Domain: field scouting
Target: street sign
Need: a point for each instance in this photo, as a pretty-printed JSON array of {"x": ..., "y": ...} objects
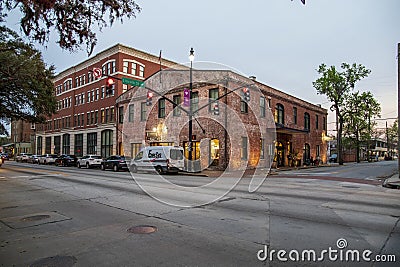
[
  {"x": 186, "y": 97},
  {"x": 132, "y": 82},
  {"x": 97, "y": 73}
]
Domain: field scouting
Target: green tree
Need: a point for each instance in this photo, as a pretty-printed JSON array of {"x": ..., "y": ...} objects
[
  {"x": 74, "y": 21},
  {"x": 26, "y": 89},
  {"x": 337, "y": 85},
  {"x": 359, "y": 109}
]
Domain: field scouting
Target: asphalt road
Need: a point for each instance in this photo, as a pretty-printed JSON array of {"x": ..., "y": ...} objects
[{"x": 80, "y": 217}]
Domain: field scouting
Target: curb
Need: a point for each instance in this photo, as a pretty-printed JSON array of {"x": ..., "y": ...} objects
[{"x": 392, "y": 181}]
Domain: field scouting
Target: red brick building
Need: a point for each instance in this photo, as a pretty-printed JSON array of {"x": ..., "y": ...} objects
[
  {"x": 85, "y": 119},
  {"x": 90, "y": 120},
  {"x": 218, "y": 139}
]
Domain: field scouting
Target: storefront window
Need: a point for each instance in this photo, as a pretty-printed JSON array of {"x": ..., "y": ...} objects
[
  {"x": 196, "y": 150},
  {"x": 214, "y": 152},
  {"x": 106, "y": 143}
]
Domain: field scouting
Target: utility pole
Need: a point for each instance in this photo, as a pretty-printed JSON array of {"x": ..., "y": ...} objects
[
  {"x": 387, "y": 140},
  {"x": 398, "y": 103}
]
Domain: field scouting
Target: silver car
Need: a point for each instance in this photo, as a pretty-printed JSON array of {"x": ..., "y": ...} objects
[
  {"x": 47, "y": 159},
  {"x": 89, "y": 161}
]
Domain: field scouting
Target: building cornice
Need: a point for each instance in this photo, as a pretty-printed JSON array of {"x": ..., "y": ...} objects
[{"x": 118, "y": 48}]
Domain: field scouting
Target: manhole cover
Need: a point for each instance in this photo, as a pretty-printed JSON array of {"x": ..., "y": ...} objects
[
  {"x": 35, "y": 218},
  {"x": 64, "y": 261},
  {"x": 142, "y": 229}
]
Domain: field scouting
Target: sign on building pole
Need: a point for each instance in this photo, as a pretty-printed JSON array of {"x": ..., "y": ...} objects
[
  {"x": 186, "y": 97},
  {"x": 97, "y": 73}
]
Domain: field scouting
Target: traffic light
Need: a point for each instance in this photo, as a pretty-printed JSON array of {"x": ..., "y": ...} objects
[
  {"x": 149, "y": 98},
  {"x": 246, "y": 94},
  {"x": 109, "y": 85},
  {"x": 216, "y": 108}
]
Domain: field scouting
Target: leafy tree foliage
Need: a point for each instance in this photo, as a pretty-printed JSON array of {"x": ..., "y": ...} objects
[
  {"x": 337, "y": 86},
  {"x": 359, "y": 110},
  {"x": 26, "y": 88},
  {"x": 73, "y": 20}
]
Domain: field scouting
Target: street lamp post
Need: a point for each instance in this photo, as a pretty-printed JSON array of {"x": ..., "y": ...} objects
[{"x": 190, "y": 148}]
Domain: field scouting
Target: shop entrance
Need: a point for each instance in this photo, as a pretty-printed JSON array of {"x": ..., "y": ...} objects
[
  {"x": 279, "y": 154},
  {"x": 195, "y": 152},
  {"x": 214, "y": 152}
]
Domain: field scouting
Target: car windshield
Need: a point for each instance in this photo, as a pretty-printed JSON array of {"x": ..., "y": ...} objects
[{"x": 96, "y": 157}]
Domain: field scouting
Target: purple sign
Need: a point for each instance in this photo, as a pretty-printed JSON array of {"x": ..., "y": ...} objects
[{"x": 186, "y": 97}]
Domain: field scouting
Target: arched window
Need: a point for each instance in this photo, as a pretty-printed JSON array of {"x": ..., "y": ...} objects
[
  {"x": 306, "y": 121},
  {"x": 279, "y": 114},
  {"x": 106, "y": 143}
]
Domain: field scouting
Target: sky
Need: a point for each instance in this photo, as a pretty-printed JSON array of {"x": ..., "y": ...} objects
[{"x": 281, "y": 42}]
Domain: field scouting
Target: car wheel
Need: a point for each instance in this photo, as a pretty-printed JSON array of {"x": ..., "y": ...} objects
[
  {"x": 87, "y": 166},
  {"x": 102, "y": 167},
  {"x": 115, "y": 168},
  {"x": 79, "y": 165},
  {"x": 159, "y": 170}
]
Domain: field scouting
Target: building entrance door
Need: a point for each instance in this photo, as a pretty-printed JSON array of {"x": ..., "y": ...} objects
[
  {"x": 279, "y": 154},
  {"x": 214, "y": 152}
]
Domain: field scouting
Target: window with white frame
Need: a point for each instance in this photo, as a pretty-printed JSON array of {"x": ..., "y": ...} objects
[
  {"x": 133, "y": 68},
  {"x": 141, "y": 71},
  {"x": 125, "y": 66}
]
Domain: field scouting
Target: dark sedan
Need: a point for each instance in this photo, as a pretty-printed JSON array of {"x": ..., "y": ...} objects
[
  {"x": 66, "y": 160},
  {"x": 115, "y": 163}
]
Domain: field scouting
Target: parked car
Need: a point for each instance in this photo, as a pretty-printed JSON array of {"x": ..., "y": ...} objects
[
  {"x": 114, "y": 162},
  {"x": 23, "y": 157},
  {"x": 1, "y": 161},
  {"x": 33, "y": 159},
  {"x": 4, "y": 156},
  {"x": 47, "y": 159},
  {"x": 163, "y": 159},
  {"x": 333, "y": 158},
  {"x": 66, "y": 160},
  {"x": 89, "y": 161}
]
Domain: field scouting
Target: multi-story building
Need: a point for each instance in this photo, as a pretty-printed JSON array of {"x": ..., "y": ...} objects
[
  {"x": 22, "y": 137},
  {"x": 93, "y": 120},
  {"x": 217, "y": 140},
  {"x": 85, "y": 118}
]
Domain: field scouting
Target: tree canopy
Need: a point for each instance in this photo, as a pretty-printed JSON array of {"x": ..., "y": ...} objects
[
  {"x": 359, "y": 110},
  {"x": 337, "y": 86},
  {"x": 74, "y": 21},
  {"x": 26, "y": 88}
]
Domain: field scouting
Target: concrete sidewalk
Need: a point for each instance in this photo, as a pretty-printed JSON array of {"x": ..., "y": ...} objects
[
  {"x": 392, "y": 182},
  {"x": 250, "y": 172}
]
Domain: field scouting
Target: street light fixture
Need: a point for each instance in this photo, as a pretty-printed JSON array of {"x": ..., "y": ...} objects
[{"x": 190, "y": 148}]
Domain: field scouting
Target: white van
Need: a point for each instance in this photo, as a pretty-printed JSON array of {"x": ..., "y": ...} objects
[{"x": 163, "y": 159}]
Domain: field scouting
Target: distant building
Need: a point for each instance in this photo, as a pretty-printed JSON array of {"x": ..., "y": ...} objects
[{"x": 22, "y": 137}]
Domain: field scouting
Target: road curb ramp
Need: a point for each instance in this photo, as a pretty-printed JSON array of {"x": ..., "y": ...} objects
[{"x": 392, "y": 182}]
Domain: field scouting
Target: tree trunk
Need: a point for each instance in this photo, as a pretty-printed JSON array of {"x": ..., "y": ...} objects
[
  {"x": 339, "y": 141},
  {"x": 357, "y": 147}
]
